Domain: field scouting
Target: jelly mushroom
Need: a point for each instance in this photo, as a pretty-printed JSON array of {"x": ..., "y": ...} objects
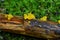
[
  {"x": 25, "y": 16},
  {"x": 59, "y": 21},
  {"x": 44, "y": 18},
  {"x": 9, "y": 16},
  {"x": 30, "y": 16}
]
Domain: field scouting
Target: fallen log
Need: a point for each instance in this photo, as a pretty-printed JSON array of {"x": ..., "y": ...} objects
[{"x": 35, "y": 28}]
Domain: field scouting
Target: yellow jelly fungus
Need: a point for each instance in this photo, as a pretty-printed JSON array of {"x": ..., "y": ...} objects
[
  {"x": 9, "y": 16},
  {"x": 29, "y": 16},
  {"x": 28, "y": 21},
  {"x": 59, "y": 21},
  {"x": 25, "y": 16},
  {"x": 44, "y": 18}
]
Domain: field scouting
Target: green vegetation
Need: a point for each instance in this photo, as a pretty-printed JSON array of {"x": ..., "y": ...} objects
[{"x": 38, "y": 7}]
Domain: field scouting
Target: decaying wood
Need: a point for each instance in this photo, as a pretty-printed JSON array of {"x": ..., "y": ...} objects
[{"x": 19, "y": 26}]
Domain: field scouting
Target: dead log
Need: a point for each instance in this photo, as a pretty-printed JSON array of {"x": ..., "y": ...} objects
[{"x": 20, "y": 26}]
